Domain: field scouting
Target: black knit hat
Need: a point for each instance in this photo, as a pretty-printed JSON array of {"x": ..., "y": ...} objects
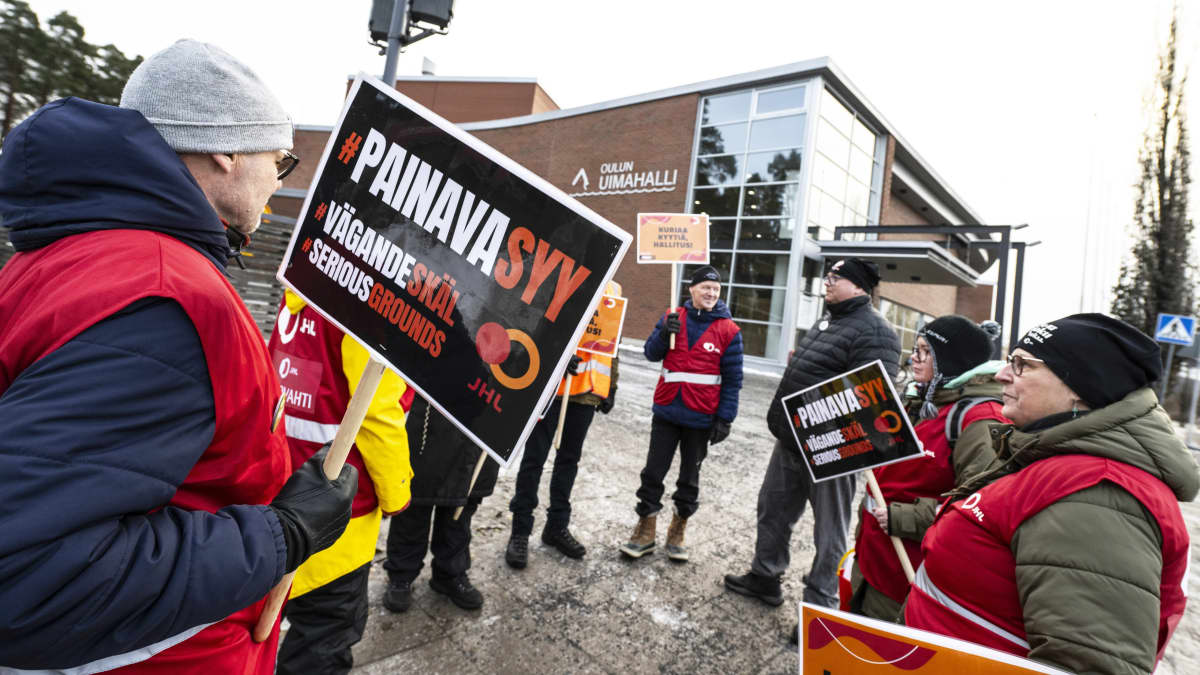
[
  {"x": 1100, "y": 358},
  {"x": 958, "y": 344},
  {"x": 861, "y": 273},
  {"x": 706, "y": 273}
]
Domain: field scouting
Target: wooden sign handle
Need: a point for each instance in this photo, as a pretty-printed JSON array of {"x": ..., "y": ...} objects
[
  {"x": 671, "y": 307},
  {"x": 474, "y": 477},
  {"x": 356, "y": 411},
  {"x": 562, "y": 413},
  {"x": 901, "y": 553}
]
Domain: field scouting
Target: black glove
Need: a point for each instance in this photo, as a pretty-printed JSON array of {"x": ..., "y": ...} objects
[
  {"x": 720, "y": 431},
  {"x": 573, "y": 365},
  {"x": 673, "y": 323},
  {"x": 312, "y": 509},
  {"x": 606, "y": 405}
]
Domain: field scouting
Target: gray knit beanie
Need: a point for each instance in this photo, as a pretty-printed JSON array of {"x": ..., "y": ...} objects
[{"x": 201, "y": 99}]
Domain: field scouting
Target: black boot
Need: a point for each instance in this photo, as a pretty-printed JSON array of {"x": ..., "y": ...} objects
[
  {"x": 751, "y": 585},
  {"x": 398, "y": 597},
  {"x": 459, "y": 590},
  {"x": 517, "y": 553},
  {"x": 564, "y": 542}
]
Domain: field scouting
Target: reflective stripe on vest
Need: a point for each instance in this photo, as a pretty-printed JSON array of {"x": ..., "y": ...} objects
[
  {"x": 602, "y": 368},
  {"x": 923, "y": 582},
  {"x": 308, "y": 430},
  {"x": 694, "y": 378},
  {"x": 117, "y": 660}
]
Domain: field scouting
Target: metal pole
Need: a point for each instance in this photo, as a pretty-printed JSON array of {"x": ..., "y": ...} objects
[
  {"x": 1002, "y": 278},
  {"x": 1162, "y": 392},
  {"x": 1014, "y": 332},
  {"x": 395, "y": 32},
  {"x": 1192, "y": 410}
]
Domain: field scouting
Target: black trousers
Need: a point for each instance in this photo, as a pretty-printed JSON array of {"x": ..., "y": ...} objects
[
  {"x": 693, "y": 448},
  {"x": 409, "y": 540},
  {"x": 325, "y": 623},
  {"x": 566, "y": 467}
]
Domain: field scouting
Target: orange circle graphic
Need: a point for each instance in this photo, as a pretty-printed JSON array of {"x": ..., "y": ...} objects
[
  {"x": 895, "y": 425},
  {"x": 535, "y": 362}
]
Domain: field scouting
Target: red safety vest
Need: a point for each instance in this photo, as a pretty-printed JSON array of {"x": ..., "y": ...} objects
[
  {"x": 695, "y": 371},
  {"x": 928, "y": 476},
  {"x": 247, "y": 461},
  {"x": 967, "y": 586},
  {"x": 307, "y": 352}
]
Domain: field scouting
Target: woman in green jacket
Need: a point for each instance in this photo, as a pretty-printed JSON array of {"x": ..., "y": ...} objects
[{"x": 1072, "y": 549}]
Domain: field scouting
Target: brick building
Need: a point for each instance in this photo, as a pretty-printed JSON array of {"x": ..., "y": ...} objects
[{"x": 777, "y": 158}]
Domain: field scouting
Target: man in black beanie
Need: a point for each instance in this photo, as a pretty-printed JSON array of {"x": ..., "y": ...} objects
[
  {"x": 850, "y": 334},
  {"x": 695, "y": 402}
]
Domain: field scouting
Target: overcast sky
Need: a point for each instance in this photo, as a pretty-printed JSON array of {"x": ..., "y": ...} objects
[{"x": 1031, "y": 110}]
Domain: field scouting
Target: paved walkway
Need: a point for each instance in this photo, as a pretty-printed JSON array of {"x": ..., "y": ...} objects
[{"x": 604, "y": 614}]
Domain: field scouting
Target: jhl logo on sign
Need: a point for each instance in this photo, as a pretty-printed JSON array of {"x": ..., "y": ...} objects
[
  {"x": 467, "y": 274},
  {"x": 851, "y": 422}
]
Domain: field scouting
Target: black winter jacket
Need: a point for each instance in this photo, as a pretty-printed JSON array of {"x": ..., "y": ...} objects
[
  {"x": 443, "y": 459},
  {"x": 850, "y": 334}
]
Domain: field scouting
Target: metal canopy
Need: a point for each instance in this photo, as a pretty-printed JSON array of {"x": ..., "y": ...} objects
[{"x": 921, "y": 262}]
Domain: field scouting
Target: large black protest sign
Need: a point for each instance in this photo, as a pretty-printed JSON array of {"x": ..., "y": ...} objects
[
  {"x": 464, "y": 272},
  {"x": 851, "y": 422}
]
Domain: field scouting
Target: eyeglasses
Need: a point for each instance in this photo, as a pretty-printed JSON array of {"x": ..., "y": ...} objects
[
  {"x": 1017, "y": 362},
  {"x": 285, "y": 165},
  {"x": 832, "y": 278},
  {"x": 920, "y": 354}
]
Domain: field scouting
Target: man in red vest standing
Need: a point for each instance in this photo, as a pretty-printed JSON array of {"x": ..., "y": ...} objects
[
  {"x": 144, "y": 469},
  {"x": 694, "y": 403}
]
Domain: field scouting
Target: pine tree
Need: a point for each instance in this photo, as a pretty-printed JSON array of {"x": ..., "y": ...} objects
[
  {"x": 1159, "y": 275},
  {"x": 40, "y": 65}
]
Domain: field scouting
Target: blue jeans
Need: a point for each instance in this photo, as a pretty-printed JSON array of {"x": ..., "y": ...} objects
[{"x": 562, "y": 477}]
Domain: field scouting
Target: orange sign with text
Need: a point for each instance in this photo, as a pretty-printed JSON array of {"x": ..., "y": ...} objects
[
  {"x": 672, "y": 238},
  {"x": 837, "y": 643},
  {"x": 603, "y": 334}
]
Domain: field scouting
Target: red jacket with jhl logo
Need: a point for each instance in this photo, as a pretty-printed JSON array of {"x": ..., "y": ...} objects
[
  {"x": 967, "y": 587},
  {"x": 246, "y": 462},
  {"x": 696, "y": 372}
]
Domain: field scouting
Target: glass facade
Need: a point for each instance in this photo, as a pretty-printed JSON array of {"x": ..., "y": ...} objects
[
  {"x": 747, "y": 179},
  {"x": 775, "y": 168},
  {"x": 907, "y": 321},
  {"x": 845, "y": 162}
]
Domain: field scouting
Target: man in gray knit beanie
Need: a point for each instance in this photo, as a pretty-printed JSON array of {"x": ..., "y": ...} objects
[{"x": 228, "y": 128}]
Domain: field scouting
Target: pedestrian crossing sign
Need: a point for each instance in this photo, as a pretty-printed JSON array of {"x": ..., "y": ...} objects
[{"x": 1176, "y": 329}]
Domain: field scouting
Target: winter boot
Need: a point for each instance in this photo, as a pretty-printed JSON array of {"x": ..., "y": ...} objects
[
  {"x": 459, "y": 590},
  {"x": 675, "y": 548},
  {"x": 751, "y": 585},
  {"x": 643, "y": 538},
  {"x": 517, "y": 553},
  {"x": 398, "y": 597},
  {"x": 562, "y": 540}
]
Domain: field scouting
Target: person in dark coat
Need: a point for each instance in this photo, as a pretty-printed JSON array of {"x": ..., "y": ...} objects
[
  {"x": 850, "y": 334},
  {"x": 441, "y": 484}
]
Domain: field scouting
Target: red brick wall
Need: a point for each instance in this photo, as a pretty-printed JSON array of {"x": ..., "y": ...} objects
[{"x": 656, "y": 135}]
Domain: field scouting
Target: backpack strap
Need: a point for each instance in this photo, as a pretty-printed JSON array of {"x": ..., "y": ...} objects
[{"x": 954, "y": 420}]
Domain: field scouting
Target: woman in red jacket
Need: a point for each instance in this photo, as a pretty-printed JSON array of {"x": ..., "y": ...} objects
[{"x": 954, "y": 389}]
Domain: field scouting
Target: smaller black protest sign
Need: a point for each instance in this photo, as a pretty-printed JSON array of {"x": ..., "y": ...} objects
[{"x": 851, "y": 422}]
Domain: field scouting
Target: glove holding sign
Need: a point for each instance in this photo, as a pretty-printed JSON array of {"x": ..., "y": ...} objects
[{"x": 672, "y": 323}]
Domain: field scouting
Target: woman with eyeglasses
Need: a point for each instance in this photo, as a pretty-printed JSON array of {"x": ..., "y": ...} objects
[
  {"x": 1072, "y": 549},
  {"x": 951, "y": 399}
]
